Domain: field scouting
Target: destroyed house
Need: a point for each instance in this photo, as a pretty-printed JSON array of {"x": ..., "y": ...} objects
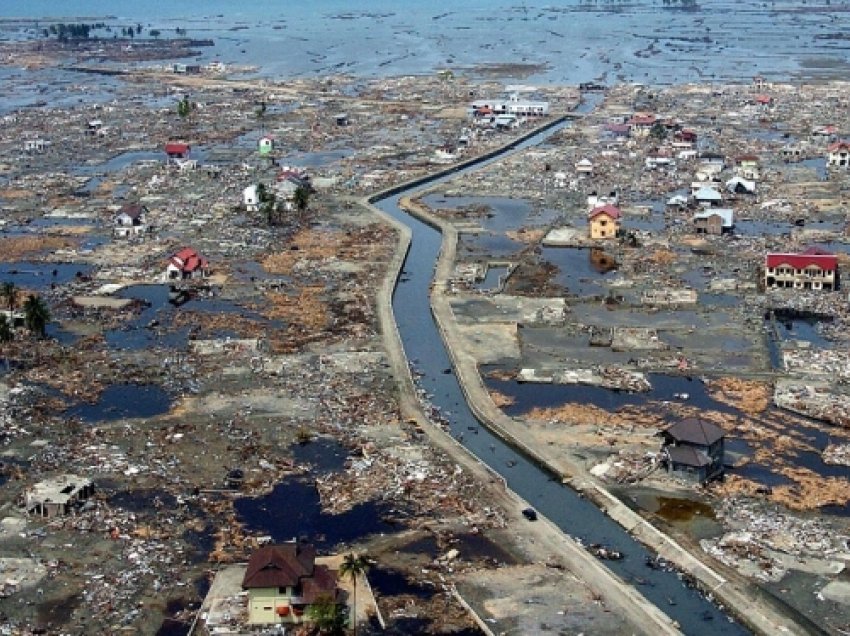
[
  {"x": 714, "y": 221},
  {"x": 813, "y": 269},
  {"x": 187, "y": 263},
  {"x": 693, "y": 450},
  {"x": 282, "y": 581},
  {"x": 56, "y": 496}
]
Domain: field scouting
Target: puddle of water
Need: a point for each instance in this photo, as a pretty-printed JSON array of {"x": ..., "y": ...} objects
[
  {"x": 493, "y": 279},
  {"x": 675, "y": 509},
  {"x": 748, "y": 227},
  {"x": 580, "y": 270},
  {"x": 502, "y": 213},
  {"x": 528, "y": 395},
  {"x": 124, "y": 401},
  {"x": 202, "y": 543},
  {"x": 795, "y": 325},
  {"x": 818, "y": 164},
  {"x": 388, "y": 582},
  {"x": 761, "y": 474},
  {"x": 171, "y": 627},
  {"x": 489, "y": 245},
  {"x": 323, "y": 454},
  {"x": 293, "y": 510},
  {"x": 119, "y": 162},
  {"x": 57, "y": 611},
  {"x": 40, "y": 276},
  {"x": 142, "y": 501}
]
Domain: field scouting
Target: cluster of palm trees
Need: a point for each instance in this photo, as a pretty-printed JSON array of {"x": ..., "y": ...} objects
[{"x": 36, "y": 313}]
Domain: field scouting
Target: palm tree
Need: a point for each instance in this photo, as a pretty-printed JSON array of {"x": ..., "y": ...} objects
[
  {"x": 36, "y": 315},
  {"x": 352, "y": 567},
  {"x": 9, "y": 291},
  {"x": 301, "y": 198}
]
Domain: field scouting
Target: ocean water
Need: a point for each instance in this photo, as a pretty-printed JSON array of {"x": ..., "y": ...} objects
[{"x": 652, "y": 41}]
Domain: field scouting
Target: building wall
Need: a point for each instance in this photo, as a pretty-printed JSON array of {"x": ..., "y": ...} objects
[
  {"x": 263, "y": 604},
  {"x": 809, "y": 278},
  {"x": 603, "y": 227}
]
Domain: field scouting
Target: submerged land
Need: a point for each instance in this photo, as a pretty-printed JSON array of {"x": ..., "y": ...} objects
[{"x": 270, "y": 399}]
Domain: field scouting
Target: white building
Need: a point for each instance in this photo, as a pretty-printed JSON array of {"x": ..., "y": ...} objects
[{"x": 251, "y": 198}]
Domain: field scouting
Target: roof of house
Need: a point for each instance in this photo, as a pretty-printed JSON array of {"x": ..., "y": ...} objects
[
  {"x": 802, "y": 261},
  {"x": 618, "y": 128},
  {"x": 177, "y": 148},
  {"x": 279, "y": 565},
  {"x": 707, "y": 194},
  {"x": 322, "y": 583},
  {"x": 763, "y": 99},
  {"x": 726, "y": 215},
  {"x": 611, "y": 211},
  {"x": 188, "y": 260},
  {"x": 132, "y": 210},
  {"x": 688, "y": 455},
  {"x": 746, "y": 158},
  {"x": 838, "y": 145},
  {"x": 642, "y": 119},
  {"x": 692, "y": 430}
]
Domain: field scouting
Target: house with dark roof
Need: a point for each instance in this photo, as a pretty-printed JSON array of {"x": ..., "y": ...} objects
[
  {"x": 283, "y": 580},
  {"x": 130, "y": 221},
  {"x": 693, "y": 450},
  {"x": 813, "y": 269},
  {"x": 187, "y": 263}
]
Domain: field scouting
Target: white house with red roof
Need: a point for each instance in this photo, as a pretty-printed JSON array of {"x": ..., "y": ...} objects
[
  {"x": 838, "y": 154},
  {"x": 177, "y": 151},
  {"x": 642, "y": 123},
  {"x": 185, "y": 264},
  {"x": 813, "y": 269},
  {"x": 604, "y": 221}
]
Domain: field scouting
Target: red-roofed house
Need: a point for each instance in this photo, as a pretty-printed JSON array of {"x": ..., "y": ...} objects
[
  {"x": 642, "y": 123},
  {"x": 838, "y": 154},
  {"x": 187, "y": 263},
  {"x": 283, "y": 581},
  {"x": 177, "y": 150},
  {"x": 764, "y": 100},
  {"x": 812, "y": 269},
  {"x": 604, "y": 221}
]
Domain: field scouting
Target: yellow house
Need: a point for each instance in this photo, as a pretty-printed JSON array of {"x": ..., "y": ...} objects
[
  {"x": 283, "y": 581},
  {"x": 604, "y": 221}
]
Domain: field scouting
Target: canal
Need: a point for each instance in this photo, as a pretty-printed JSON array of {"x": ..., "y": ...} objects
[{"x": 575, "y": 515}]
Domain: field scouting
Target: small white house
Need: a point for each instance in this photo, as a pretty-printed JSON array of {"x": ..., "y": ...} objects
[
  {"x": 130, "y": 221},
  {"x": 251, "y": 198},
  {"x": 708, "y": 197},
  {"x": 35, "y": 145},
  {"x": 838, "y": 154}
]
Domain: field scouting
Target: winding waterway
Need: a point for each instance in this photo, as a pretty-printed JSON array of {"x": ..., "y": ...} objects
[{"x": 575, "y": 515}]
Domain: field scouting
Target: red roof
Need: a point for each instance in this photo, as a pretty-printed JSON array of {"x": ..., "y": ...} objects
[
  {"x": 826, "y": 262},
  {"x": 838, "y": 145},
  {"x": 609, "y": 210},
  {"x": 287, "y": 565},
  {"x": 744, "y": 158},
  {"x": 188, "y": 260},
  {"x": 176, "y": 148},
  {"x": 642, "y": 119},
  {"x": 764, "y": 99}
]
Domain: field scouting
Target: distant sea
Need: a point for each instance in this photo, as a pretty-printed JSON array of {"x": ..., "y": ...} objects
[{"x": 568, "y": 41}]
